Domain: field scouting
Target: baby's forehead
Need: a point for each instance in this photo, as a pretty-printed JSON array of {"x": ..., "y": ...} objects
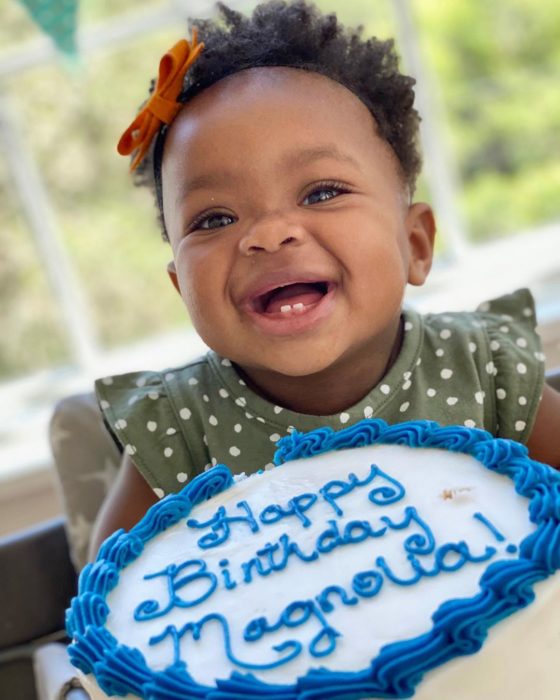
[
  {"x": 272, "y": 110},
  {"x": 277, "y": 84},
  {"x": 263, "y": 77}
]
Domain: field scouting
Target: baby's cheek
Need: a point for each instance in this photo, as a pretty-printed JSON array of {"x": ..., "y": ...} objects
[{"x": 383, "y": 266}]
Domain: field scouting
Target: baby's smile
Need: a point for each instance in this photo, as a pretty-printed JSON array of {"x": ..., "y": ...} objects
[
  {"x": 290, "y": 305},
  {"x": 293, "y": 297}
]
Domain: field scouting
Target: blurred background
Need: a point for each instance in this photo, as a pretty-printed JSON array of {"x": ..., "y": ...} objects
[{"x": 83, "y": 289}]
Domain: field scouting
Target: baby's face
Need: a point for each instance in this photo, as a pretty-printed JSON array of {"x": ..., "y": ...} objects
[{"x": 291, "y": 232}]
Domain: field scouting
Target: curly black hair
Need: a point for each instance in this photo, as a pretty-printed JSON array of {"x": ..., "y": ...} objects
[{"x": 298, "y": 35}]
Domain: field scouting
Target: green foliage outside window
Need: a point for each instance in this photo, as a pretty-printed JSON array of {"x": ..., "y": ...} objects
[{"x": 498, "y": 68}]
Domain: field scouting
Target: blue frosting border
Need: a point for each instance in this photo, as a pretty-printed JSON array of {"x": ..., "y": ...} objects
[{"x": 460, "y": 626}]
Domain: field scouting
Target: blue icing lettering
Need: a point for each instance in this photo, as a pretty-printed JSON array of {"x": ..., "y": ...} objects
[
  {"x": 286, "y": 547},
  {"x": 256, "y": 629},
  {"x": 367, "y": 584},
  {"x": 388, "y": 493},
  {"x": 195, "y": 628},
  {"x": 150, "y": 609},
  {"x": 324, "y": 598},
  {"x": 337, "y": 488},
  {"x": 418, "y": 543},
  {"x": 220, "y": 525},
  {"x": 296, "y": 506},
  {"x": 358, "y": 530},
  {"x": 329, "y": 539},
  {"x": 296, "y": 614},
  {"x": 256, "y": 565},
  {"x": 493, "y": 529},
  {"x": 324, "y": 642},
  {"x": 228, "y": 582},
  {"x": 355, "y": 531},
  {"x": 460, "y": 555},
  {"x": 448, "y": 557},
  {"x": 268, "y": 551}
]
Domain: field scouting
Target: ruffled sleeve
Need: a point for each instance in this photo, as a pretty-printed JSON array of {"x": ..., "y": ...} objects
[
  {"x": 515, "y": 361},
  {"x": 148, "y": 426}
]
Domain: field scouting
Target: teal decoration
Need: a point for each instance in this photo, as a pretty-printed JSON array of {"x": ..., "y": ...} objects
[{"x": 58, "y": 19}]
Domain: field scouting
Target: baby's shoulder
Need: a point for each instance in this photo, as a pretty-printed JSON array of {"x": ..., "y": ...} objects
[
  {"x": 157, "y": 418},
  {"x": 129, "y": 393},
  {"x": 494, "y": 354},
  {"x": 515, "y": 310},
  {"x": 504, "y": 326}
]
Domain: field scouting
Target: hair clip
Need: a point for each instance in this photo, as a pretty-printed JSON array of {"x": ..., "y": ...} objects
[{"x": 162, "y": 106}]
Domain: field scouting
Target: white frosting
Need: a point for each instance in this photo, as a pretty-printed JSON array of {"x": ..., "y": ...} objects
[
  {"x": 446, "y": 489},
  {"x": 517, "y": 662}
]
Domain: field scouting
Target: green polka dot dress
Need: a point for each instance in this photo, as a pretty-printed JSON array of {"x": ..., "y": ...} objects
[{"x": 483, "y": 369}]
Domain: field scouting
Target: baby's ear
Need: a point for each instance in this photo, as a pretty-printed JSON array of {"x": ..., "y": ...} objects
[
  {"x": 172, "y": 272},
  {"x": 421, "y": 229}
]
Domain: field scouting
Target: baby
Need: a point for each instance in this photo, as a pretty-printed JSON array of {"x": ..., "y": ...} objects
[{"x": 283, "y": 155}]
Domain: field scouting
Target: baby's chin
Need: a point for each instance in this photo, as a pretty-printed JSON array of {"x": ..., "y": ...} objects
[
  {"x": 289, "y": 367},
  {"x": 290, "y": 357},
  {"x": 305, "y": 371}
]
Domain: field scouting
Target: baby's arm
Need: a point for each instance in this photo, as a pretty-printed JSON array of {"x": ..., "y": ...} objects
[
  {"x": 129, "y": 499},
  {"x": 544, "y": 442}
]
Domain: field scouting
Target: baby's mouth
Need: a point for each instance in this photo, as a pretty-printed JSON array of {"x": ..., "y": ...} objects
[{"x": 293, "y": 298}]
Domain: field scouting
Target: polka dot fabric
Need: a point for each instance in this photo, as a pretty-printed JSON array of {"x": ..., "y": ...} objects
[
  {"x": 517, "y": 363},
  {"x": 483, "y": 369},
  {"x": 486, "y": 369}
]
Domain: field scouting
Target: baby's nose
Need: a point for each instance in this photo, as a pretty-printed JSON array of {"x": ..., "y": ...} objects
[{"x": 269, "y": 236}]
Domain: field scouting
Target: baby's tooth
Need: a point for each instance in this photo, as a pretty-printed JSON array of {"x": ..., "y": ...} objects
[
  {"x": 286, "y": 308},
  {"x": 299, "y": 307}
]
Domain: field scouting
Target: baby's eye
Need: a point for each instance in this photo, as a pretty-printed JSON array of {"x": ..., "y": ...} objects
[
  {"x": 323, "y": 193},
  {"x": 208, "y": 222}
]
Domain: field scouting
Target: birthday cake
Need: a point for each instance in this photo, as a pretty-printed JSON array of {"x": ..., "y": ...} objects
[{"x": 375, "y": 562}]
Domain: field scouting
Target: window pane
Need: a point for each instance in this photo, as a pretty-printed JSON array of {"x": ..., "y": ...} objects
[
  {"x": 32, "y": 336},
  {"x": 72, "y": 123},
  {"x": 498, "y": 67},
  {"x": 16, "y": 25}
]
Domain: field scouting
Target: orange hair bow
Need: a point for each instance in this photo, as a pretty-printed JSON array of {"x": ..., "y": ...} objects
[{"x": 162, "y": 106}]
